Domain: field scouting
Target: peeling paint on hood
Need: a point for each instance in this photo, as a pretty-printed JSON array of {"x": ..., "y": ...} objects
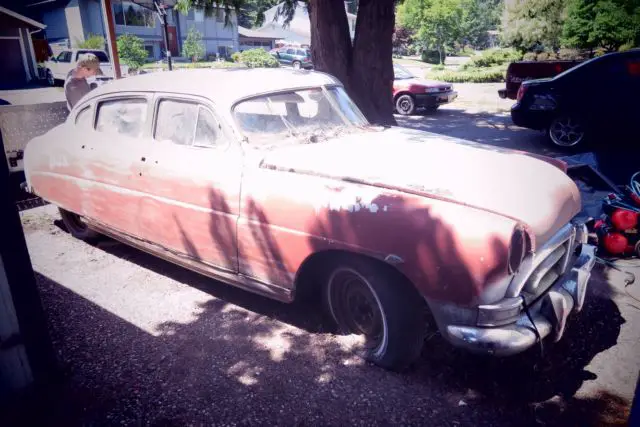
[{"x": 510, "y": 183}]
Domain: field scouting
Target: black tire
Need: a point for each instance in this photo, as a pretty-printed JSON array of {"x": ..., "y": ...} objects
[
  {"x": 77, "y": 227},
  {"x": 51, "y": 81},
  {"x": 405, "y": 105},
  {"x": 296, "y": 65},
  {"x": 394, "y": 327}
]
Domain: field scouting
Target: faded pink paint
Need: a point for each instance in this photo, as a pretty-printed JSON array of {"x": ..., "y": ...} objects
[{"x": 446, "y": 210}]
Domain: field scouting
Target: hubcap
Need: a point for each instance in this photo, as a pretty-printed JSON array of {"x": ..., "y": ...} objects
[
  {"x": 355, "y": 306},
  {"x": 566, "y": 132},
  {"x": 404, "y": 105}
]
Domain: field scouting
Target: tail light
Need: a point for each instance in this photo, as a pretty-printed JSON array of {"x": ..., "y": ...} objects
[
  {"x": 521, "y": 91},
  {"x": 624, "y": 220}
]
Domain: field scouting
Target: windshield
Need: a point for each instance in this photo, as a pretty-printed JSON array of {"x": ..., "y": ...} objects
[
  {"x": 300, "y": 116},
  {"x": 399, "y": 72}
]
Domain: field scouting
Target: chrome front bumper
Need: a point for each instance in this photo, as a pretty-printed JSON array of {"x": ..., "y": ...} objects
[{"x": 549, "y": 314}]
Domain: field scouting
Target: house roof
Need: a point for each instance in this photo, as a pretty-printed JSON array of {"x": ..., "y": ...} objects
[
  {"x": 257, "y": 34},
  {"x": 22, "y": 18}
]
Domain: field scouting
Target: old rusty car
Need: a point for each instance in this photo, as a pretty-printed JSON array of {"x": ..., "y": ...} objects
[{"x": 272, "y": 180}]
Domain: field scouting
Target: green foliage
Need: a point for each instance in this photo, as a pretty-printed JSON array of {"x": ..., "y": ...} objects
[
  {"x": 438, "y": 67},
  {"x": 476, "y": 75},
  {"x": 236, "y": 56},
  {"x": 250, "y": 13},
  {"x": 627, "y": 46},
  {"x": 547, "y": 56},
  {"x": 493, "y": 57},
  {"x": 530, "y": 56},
  {"x": 93, "y": 41},
  {"x": 193, "y": 47},
  {"x": 530, "y": 23},
  {"x": 131, "y": 50},
  {"x": 566, "y": 54},
  {"x": 431, "y": 56},
  {"x": 258, "y": 58},
  {"x": 601, "y": 23},
  {"x": 466, "y": 51},
  {"x": 478, "y": 17}
]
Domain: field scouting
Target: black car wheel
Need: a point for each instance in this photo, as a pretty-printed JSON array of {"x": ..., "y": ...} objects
[
  {"x": 296, "y": 65},
  {"x": 77, "y": 227},
  {"x": 367, "y": 299},
  {"x": 405, "y": 105},
  {"x": 566, "y": 131}
]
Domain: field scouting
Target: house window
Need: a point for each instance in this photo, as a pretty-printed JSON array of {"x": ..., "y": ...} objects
[
  {"x": 219, "y": 15},
  {"x": 130, "y": 14},
  {"x": 198, "y": 15},
  {"x": 149, "y": 49}
]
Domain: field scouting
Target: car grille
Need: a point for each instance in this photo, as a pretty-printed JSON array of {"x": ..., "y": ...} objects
[{"x": 540, "y": 271}]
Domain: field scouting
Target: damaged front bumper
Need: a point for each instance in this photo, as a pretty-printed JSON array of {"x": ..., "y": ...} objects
[{"x": 549, "y": 313}]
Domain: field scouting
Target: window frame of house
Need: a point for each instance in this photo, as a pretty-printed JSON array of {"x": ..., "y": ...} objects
[{"x": 151, "y": 23}]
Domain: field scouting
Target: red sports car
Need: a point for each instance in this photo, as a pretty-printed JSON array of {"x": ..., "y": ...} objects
[{"x": 411, "y": 93}]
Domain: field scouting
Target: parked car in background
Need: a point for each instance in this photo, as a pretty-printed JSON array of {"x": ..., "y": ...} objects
[
  {"x": 521, "y": 71},
  {"x": 248, "y": 176},
  {"x": 596, "y": 98},
  {"x": 411, "y": 93},
  {"x": 59, "y": 66},
  {"x": 297, "y": 57}
]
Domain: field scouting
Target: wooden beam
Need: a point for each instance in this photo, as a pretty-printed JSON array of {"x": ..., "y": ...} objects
[{"x": 107, "y": 14}]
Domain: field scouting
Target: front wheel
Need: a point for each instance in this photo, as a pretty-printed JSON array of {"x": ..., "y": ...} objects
[
  {"x": 405, "y": 105},
  {"x": 567, "y": 132},
  {"x": 296, "y": 65},
  {"x": 77, "y": 227},
  {"x": 368, "y": 299}
]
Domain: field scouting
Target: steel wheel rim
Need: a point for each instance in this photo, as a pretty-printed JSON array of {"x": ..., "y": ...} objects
[
  {"x": 355, "y": 306},
  {"x": 404, "y": 105},
  {"x": 566, "y": 132}
]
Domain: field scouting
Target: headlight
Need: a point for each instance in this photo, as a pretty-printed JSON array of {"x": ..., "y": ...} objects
[
  {"x": 432, "y": 90},
  {"x": 517, "y": 249}
]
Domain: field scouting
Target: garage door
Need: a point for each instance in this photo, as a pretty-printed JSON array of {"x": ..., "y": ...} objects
[{"x": 11, "y": 66}]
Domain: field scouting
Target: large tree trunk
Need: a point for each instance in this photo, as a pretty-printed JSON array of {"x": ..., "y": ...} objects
[{"x": 366, "y": 68}]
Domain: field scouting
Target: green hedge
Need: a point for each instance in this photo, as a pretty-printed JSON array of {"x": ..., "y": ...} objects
[
  {"x": 492, "y": 58},
  {"x": 475, "y": 75},
  {"x": 258, "y": 58},
  {"x": 432, "y": 56}
]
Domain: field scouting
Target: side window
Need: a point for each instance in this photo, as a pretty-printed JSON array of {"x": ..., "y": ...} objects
[
  {"x": 301, "y": 53},
  {"x": 84, "y": 118},
  {"x": 122, "y": 116},
  {"x": 291, "y": 51},
  {"x": 207, "y": 130},
  {"x": 176, "y": 121},
  {"x": 64, "y": 56}
]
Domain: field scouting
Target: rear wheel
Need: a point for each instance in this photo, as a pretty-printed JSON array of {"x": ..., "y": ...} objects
[
  {"x": 567, "y": 131},
  {"x": 368, "y": 299},
  {"x": 77, "y": 227},
  {"x": 405, "y": 105},
  {"x": 296, "y": 65}
]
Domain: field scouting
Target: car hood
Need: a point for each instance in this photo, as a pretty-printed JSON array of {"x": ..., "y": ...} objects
[
  {"x": 512, "y": 184},
  {"x": 421, "y": 82}
]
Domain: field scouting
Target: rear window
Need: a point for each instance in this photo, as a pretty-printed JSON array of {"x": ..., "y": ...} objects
[{"x": 122, "y": 117}]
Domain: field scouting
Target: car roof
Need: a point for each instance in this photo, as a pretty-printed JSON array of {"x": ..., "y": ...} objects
[{"x": 223, "y": 86}]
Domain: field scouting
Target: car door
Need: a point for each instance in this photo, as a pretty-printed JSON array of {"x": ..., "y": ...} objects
[
  {"x": 192, "y": 201},
  {"x": 288, "y": 56},
  {"x": 115, "y": 151},
  {"x": 62, "y": 65}
]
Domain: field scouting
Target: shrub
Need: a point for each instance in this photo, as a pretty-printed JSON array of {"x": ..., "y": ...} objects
[
  {"x": 193, "y": 47},
  {"x": 93, "y": 41},
  {"x": 569, "y": 54},
  {"x": 546, "y": 56},
  {"x": 438, "y": 67},
  {"x": 131, "y": 51},
  {"x": 494, "y": 57},
  {"x": 599, "y": 52},
  {"x": 477, "y": 75},
  {"x": 466, "y": 51},
  {"x": 626, "y": 46},
  {"x": 431, "y": 56},
  {"x": 236, "y": 56},
  {"x": 530, "y": 56},
  {"x": 258, "y": 58}
]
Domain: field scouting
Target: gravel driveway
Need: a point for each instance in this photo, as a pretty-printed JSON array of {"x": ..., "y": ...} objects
[{"x": 143, "y": 342}]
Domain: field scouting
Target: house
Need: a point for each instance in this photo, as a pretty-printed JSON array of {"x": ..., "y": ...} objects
[
  {"x": 252, "y": 39},
  {"x": 70, "y": 22},
  {"x": 298, "y": 30},
  {"x": 18, "y": 65}
]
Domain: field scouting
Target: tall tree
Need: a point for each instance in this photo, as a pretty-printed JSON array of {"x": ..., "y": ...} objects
[
  {"x": 530, "y": 23},
  {"x": 601, "y": 23},
  {"x": 251, "y": 13},
  {"x": 478, "y": 17},
  {"x": 364, "y": 66}
]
